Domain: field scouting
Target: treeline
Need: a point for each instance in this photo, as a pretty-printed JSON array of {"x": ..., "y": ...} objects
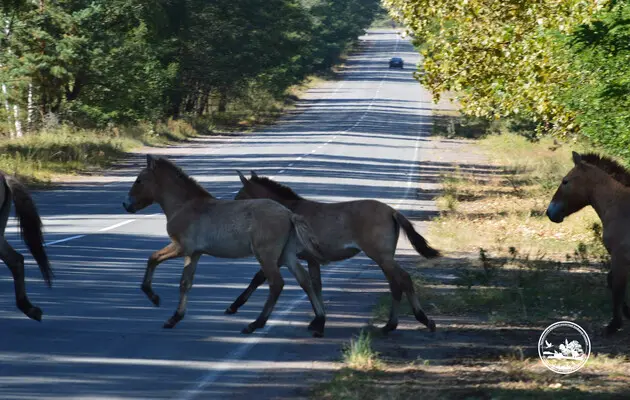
[
  {"x": 97, "y": 62},
  {"x": 563, "y": 65}
]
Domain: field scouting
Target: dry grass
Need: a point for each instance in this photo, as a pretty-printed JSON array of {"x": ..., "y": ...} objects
[{"x": 508, "y": 378}]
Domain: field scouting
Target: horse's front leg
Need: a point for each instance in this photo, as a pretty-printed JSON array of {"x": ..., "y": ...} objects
[
  {"x": 169, "y": 252},
  {"x": 185, "y": 284},
  {"x": 625, "y": 307},
  {"x": 619, "y": 276},
  {"x": 257, "y": 280}
]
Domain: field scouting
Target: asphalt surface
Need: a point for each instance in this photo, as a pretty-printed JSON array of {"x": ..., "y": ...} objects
[{"x": 363, "y": 136}]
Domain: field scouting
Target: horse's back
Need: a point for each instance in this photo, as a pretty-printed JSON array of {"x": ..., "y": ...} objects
[{"x": 228, "y": 228}]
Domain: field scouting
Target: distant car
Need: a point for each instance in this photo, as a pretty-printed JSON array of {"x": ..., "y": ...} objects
[{"x": 396, "y": 62}]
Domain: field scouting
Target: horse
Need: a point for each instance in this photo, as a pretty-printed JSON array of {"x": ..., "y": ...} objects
[
  {"x": 600, "y": 182},
  {"x": 343, "y": 230},
  {"x": 30, "y": 226},
  {"x": 198, "y": 223}
]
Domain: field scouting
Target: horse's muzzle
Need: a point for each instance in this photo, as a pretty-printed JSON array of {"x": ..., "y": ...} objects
[
  {"x": 128, "y": 205},
  {"x": 554, "y": 213}
]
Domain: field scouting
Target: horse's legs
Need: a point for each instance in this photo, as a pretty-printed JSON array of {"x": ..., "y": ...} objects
[
  {"x": 257, "y": 280},
  {"x": 316, "y": 278},
  {"x": 399, "y": 282},
  {"x": 619, "y": 278},
  {"x": 190, "y": 265},
  {"x": 171, "y": 251},
  {"x": 15, "y": 262},
  {"x": 276, "y": 283},
  {"x": 303, "y": 278},
  {"x": 625, "y": 308}
]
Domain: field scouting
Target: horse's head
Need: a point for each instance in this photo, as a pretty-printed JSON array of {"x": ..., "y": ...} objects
[
  {"x": 574, "y": 191},
  {"x": 142, "y": 193},
  {"x": 250, "y": 189}
]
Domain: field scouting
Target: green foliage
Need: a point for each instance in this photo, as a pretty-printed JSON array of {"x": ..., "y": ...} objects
[
  {"x": 501, "y": 57},
  {"x": 94, "y": 63},
  {"x": 599, "y": 91}
]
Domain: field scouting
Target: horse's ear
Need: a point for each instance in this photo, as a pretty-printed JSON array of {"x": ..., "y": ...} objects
[
  {"x": 254, "y": 174},
  {"x": 577, "y": 158},
  {"x": 150, "y": 161},
  {"x": 244, "y": 180}
]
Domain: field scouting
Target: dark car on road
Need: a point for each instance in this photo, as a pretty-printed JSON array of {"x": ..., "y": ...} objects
[{"x": 396, "y": 62}]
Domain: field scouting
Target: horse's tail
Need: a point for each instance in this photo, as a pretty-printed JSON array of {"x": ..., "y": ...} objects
[
  {"x": 30, "y": 225},
  {"x": 306, "y": 237},
  {"x": 417, "y": 241}
]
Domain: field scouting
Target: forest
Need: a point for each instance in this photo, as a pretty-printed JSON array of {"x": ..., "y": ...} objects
[{"x": 94, "y": 64}]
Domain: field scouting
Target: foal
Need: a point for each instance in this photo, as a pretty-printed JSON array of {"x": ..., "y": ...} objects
[
  {"x": 31, "y": 230},
  {"x": 589, "y": 183},
  {"x": 199, "y": 223},
  {"x": 343, "y": 230}
]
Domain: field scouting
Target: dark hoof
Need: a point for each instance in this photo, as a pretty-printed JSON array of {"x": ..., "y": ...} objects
[
  {"x": 390, "y": 327},
  {"x": 35, "y": 313},
  {"x": 173, "y": 321},
  {"x": 155, "y": 299},
  {"x": 431, "y": 325},
  {"x": 611, "y": 328},
  {"x": 231, "y": 310},
  {"x": 248, "y": 329},
  {"x": 317, "y": 326}
]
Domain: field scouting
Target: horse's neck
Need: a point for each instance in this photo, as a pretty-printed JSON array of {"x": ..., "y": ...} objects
[
  {"x": 174, "y": 194},
  {"x": 606, "y": 193}
]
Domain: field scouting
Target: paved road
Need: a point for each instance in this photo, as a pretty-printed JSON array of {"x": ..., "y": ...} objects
[{"x": 363, "y": 136}]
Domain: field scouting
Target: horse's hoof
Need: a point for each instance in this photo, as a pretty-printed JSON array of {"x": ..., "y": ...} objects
[
  {"x": 231, "y": 310},
  {"x": 317, "y": 334},
  {"x": 35, "y": 313},
  {"x": 431, "y": 325},
  {"x": 611, "y": 328},
  {"x": 389, "y": 327},
  {"x": 317, "y": 326},
  {"x": 155, "y": 299},
  {"x": 248, "y": 329},
  {"x": 173, "y": 321}
]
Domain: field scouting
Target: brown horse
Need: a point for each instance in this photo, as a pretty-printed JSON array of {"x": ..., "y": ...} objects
[
  {"x": 343, "y": 230},
  {"x": 599, "y": 182},
  {"x": 31, "y": 230},
  {"x": 199, "y": 223}
]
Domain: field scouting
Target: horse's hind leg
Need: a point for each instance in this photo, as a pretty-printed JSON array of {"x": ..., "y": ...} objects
[
  {"x": 314, "y": 271},
  {"x": 169, "y": 252},
  {"x": 15, "y": 262},
  {"x": 400, "y": 282},
  {"x": 317, "y": 325},
  {"x": 276, "y": 283},
  {"x": 257, "y": 280},
  {"x": 185, "y": 285}
]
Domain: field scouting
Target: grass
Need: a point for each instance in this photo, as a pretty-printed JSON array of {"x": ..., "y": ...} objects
[
  {"x": 602, "y": 377},
  {"x": 39, "y": 157},
  {"x": 359, "y": 354}
]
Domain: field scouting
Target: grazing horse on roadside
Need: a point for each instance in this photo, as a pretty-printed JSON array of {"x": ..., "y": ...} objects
[
  {"x": 30, "y": 226},
  {"x": 199, "y": 223},
  {"x": 343, "y": 230},
  {"x": 599, "y": 182}
]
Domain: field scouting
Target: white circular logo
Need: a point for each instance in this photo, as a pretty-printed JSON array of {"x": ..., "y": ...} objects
[{"x": 564, "y": 347}]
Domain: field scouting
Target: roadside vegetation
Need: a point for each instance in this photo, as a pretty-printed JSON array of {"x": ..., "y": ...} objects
[
  {"x": 84, "y": 81},
  {"x": 509, "y": 272}
]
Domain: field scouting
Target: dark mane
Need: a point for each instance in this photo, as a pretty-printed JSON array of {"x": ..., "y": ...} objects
[
  {"x": 189, "y": 182},
  {"x": 279, "y": 189},
  {"x": 608, "y": 165}
]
